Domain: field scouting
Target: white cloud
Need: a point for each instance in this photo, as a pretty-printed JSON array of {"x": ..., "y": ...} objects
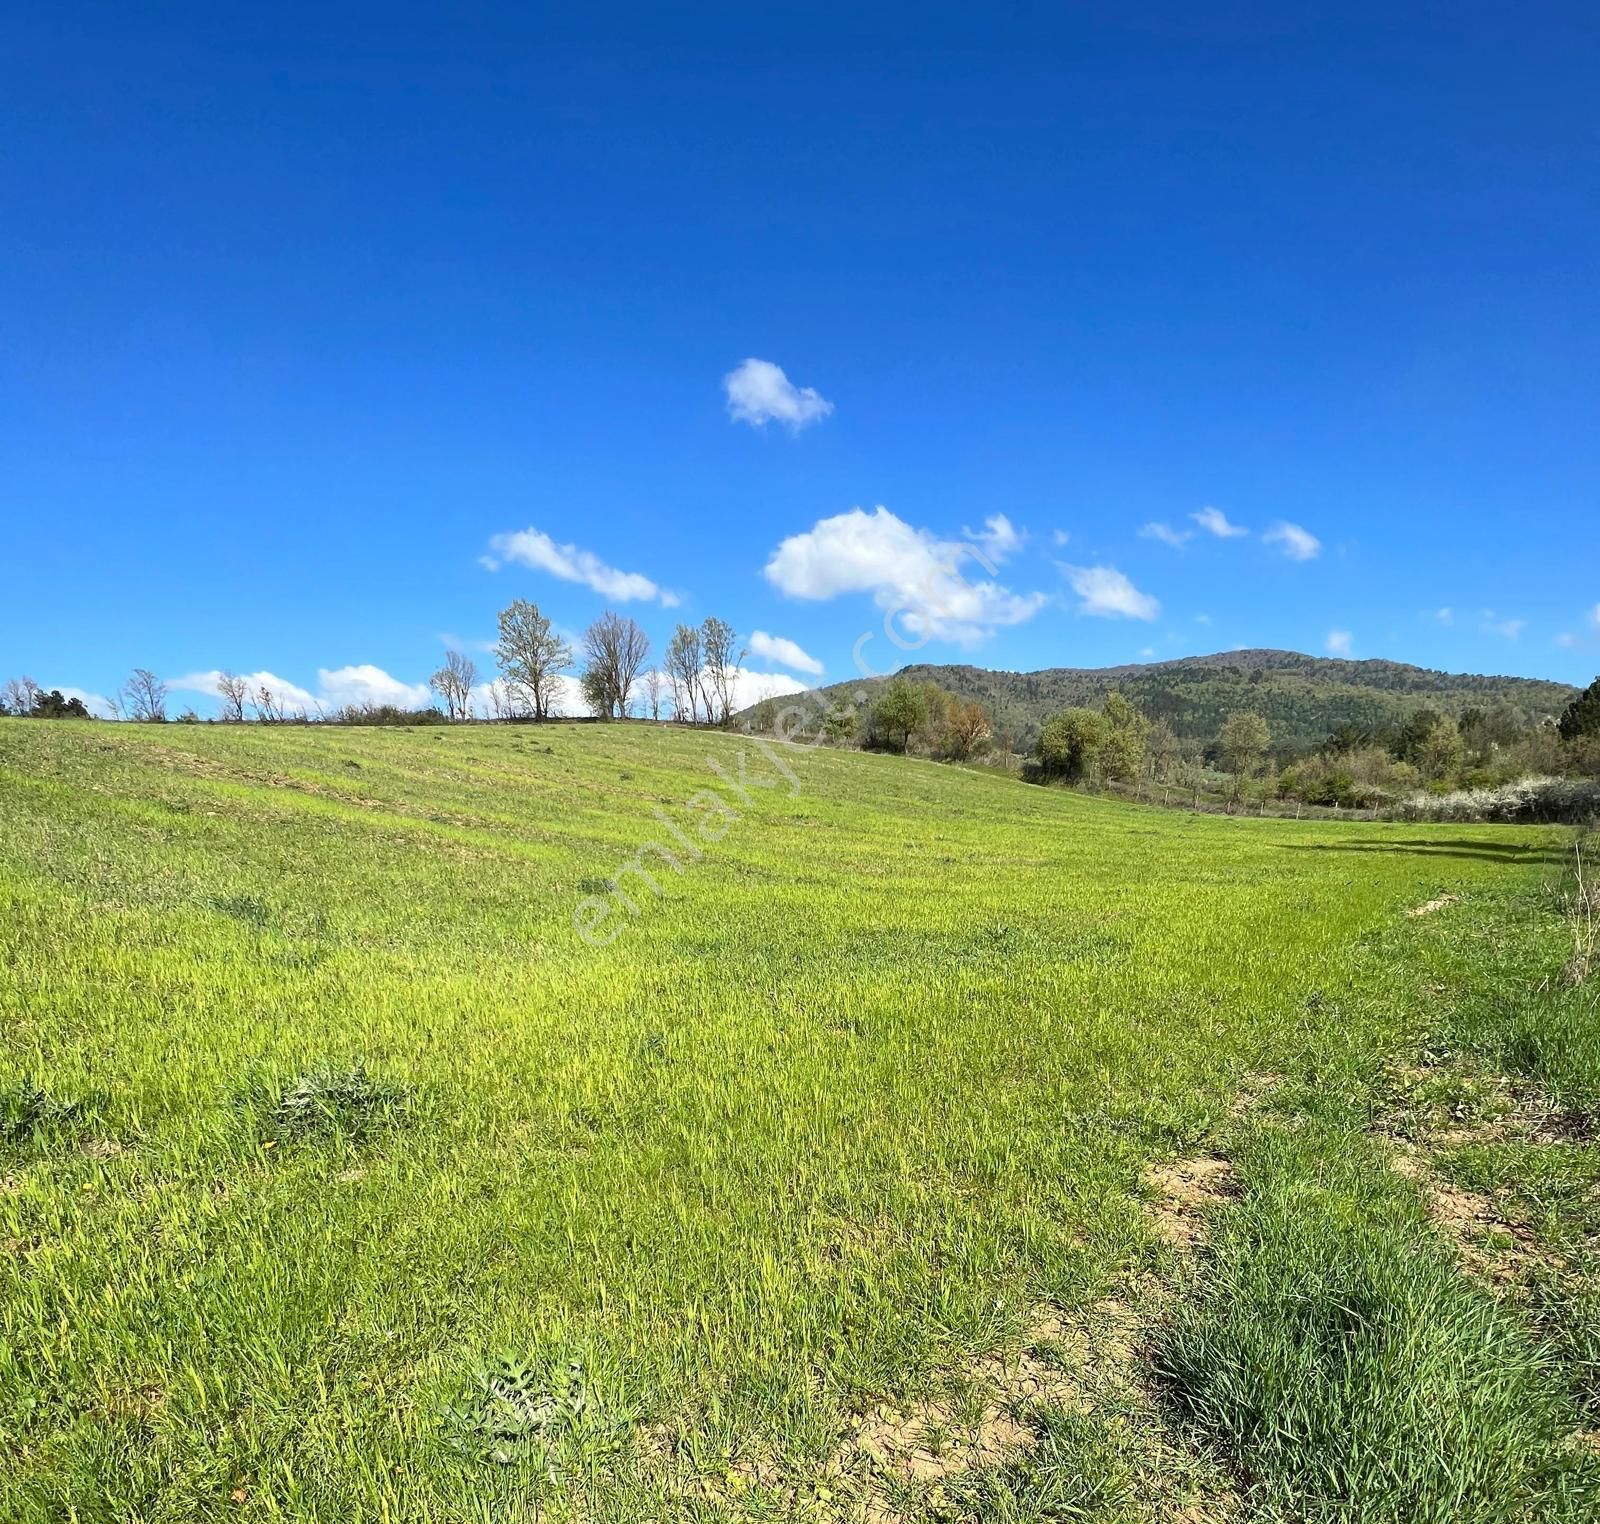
[
  {"x": 1176, "y": 538},
  {"x": 1567, "y": 640},
  {"x": 1493, "y": 624},
  {"x": 1147, "y": 651},
  {"x": 290, "y": 695},
  {"x": 1215, "y": 521},
  {"x": 336, "y": 687},
  {"x": 751, "y": 687},
  {"x": 1445, "y": 616},
  {"x": 1202, "y": 619},
  {"x": 1339, "y": 642},
  {"x": 1060, "y": 537},
  {"x": 1107, "y": 594},
  {"x": 998, "y": 538},
  {"x": 1298, "y": 544},
  {"x": 785, "y": 652},
  {"x": 1594, "y": 616},
  {"x": 758, "y": 391},
  {"x": 909, "y": 572},
  {"x": 367, "y": 684},
  {"x": 533, "y": 547}
]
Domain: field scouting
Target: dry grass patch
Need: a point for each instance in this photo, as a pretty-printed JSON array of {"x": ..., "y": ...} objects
[{"x": 1187, "y": 1192}]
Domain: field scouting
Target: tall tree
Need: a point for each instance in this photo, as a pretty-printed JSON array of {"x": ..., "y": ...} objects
[
  {"x": 1070, "y": 744},
  {"x": 233, "y": 692},
  {"x": 614, "y": 648},
  {"x": 683, "y": 662},
  {"x": 652, "y": 692},
  {"x": 966, "y": 727},
  {"x": 1122, "y": 755},
  {"x": 721, "y": 668},
  {"x": 1582, "y": 716},
  {"x": 901, "y": 710},
  {"x": 145, "y": 696},
  {"x": 453, "y": 682},
  {"x": 1244, "y": 741},
  {"x": 531, "y": 655}
]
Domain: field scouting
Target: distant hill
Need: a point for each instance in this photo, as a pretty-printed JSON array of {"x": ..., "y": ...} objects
[{"x": 1301, "y": 697}]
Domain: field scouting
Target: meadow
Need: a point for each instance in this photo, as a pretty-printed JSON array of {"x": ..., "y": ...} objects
[{"x": 391, "y": 1132}]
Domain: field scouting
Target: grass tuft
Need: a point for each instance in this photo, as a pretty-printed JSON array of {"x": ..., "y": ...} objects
[
  {"x": 1337, "y": 1358},
  {"x": 328, "y": 1102}
]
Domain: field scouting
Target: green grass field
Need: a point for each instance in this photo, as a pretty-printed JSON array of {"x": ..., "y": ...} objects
[{"x": 342, "y": 1178}]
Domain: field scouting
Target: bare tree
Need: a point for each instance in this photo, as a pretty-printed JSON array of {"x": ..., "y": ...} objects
[
  {"x": 233, "y": 693},
  {"x": 453, "y": 682},
  {"x": 721, "y": 668},
  {"x": 652, "y": 692},
  {"x": 268, "y": 707},
  {"x": 683, "y": 672},
  {"x": 614, "y": 648},
  {"x": 145, "y": 695},
  {"x": 531, "y": 655},
  {"x": 20, "y": 695}
]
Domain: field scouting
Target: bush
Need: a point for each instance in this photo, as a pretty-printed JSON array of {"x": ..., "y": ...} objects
[{"x": 1528, "y": 801}]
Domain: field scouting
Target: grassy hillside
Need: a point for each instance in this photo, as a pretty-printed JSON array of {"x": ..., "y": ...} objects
[
  {"x": 1302, "y": 697},
  {"x": 930, "y": 1145}
]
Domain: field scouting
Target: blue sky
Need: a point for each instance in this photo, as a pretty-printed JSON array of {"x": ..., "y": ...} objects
[{"x": 312, "y": 314}]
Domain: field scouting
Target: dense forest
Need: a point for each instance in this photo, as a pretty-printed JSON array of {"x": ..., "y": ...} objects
[{"x": 1302, "y": 698}]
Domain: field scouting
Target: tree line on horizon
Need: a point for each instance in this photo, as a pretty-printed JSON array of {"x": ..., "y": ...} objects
[{"x": 696, "y": 679}]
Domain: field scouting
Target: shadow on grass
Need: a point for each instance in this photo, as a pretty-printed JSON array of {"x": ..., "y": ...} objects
[{"x": 1482, "y": 851}]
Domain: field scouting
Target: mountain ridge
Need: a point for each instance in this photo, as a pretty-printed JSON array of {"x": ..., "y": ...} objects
[{"x": 1302, "y": 697}]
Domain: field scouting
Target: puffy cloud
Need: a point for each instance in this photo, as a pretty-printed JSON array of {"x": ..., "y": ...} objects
[
  {"x": 751, "y": 687},
  {"x": 758, "y": 391},
  {"x": 997, "y": 539},
  {"x": 1298, "y": 544},
  {"x": 359, "y": 685},
  {"x": 909, "y": 572},
  {"x": 1060, "y": 538},
  {"x": 289, "y": 695},
  {"x": 366, "y": 684},
  {"x": 785, "y": 652},
  {"x": 1567, "y": 640},
  {"x": 1104, "y": 592},
  {"x": 1176, "y": 538},
  {"x": 533, "y": 547},
  {"x": 1445, "y": 616},
  {"x": 1339, "y": 642},
  {"x": 1215, "y": 521}
]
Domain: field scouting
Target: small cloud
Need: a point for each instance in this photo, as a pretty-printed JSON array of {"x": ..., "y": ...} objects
[
  {"x": 1176, "y": 538},
  {"x": 1338, "y": 642},
  {"x": 785, "y": 653},
  {"x": 534, "y": 548},
  {"x": 1445, "y": 616},
  {"x": 1060, "y": 537},
  {"x": 1494, "y": 625},
  {"x": 1298, "y": 544},
  {"x": 1215, "y": 521},
  {"x": 1107, "y": 594},
  {"x": 758, "y": 392},
  {"x": 1567, "y": 640},
  {"x": 1594, "y": 616},
  {"x": 1147, "y": 651},
  {"x": 998, "y": 538},
  {"x": 1202, "y": 619}
]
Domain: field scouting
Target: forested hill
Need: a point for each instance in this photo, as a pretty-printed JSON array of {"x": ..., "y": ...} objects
[{"x": 1302, "y": 697}]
